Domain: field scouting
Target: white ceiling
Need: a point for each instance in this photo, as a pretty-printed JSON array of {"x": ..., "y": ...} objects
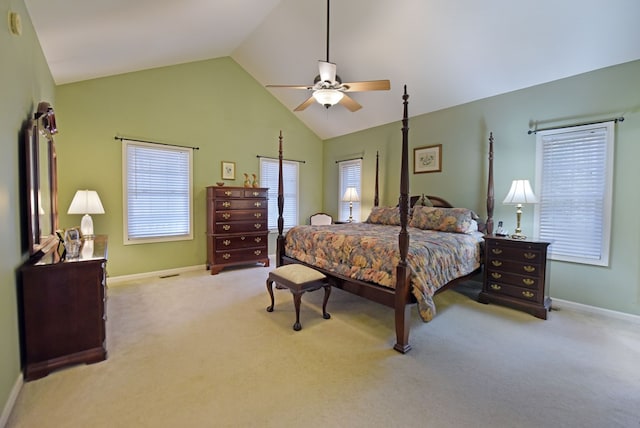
[{"x": 447, "y": 52}]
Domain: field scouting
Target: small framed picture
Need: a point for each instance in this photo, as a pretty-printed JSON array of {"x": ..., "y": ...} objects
[
  {"x": 427, "y": 159},
  {"x": 228, "y": 170}
]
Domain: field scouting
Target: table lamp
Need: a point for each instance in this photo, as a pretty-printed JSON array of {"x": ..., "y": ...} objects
[
  {"x": 350, "y": 195},
  {"x": 86, "y": 202},
  {"x": 520, "y": 193}
]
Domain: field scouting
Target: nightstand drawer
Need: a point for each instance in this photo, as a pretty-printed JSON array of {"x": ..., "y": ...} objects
[
  {"x": 526, "y": 254},
  {"x": 531, "y": 269},
  {"x": 513, "y": 279},
  {"x": 517, "y": 292}
]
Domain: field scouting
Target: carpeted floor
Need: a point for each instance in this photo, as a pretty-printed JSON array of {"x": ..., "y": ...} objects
[{"x": 201, "y": 351}]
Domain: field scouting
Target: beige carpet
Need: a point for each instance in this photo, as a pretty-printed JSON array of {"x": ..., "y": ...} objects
[{"x": 201, "y": 351}]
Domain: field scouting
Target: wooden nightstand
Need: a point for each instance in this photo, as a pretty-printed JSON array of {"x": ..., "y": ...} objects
[{"x": 515, "y": 275}]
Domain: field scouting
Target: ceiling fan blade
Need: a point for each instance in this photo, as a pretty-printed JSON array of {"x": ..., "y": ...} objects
[
  {"x": 350, "y": 103},
  {"x": 372, "y": 85},
  {"x": 290, "y": 86},
  {"x": 327, "y": 71},
  {"x": 305, "y": 104}
]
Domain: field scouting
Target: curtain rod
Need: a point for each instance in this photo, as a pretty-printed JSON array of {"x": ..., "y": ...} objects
[
  {"x": 347, "y": 160},
  {"x": 155, "y": 142},
  {"x": 615, "y": 119},
  {"x": 290, "y": 160}
]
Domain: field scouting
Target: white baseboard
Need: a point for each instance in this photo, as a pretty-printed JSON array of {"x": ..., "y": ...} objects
[
  {"x": 115, "y": 280},
  {"x": 579, "y": 307},
  {"x": 11, "y": 401}
]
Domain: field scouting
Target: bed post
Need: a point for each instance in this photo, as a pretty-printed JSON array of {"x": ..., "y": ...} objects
[
  {"x": 490, "y": 195},
  {"x": 280, "y": 239},
  {"x": 402, "y": 309},
  {"x": 376, "y": 197}
]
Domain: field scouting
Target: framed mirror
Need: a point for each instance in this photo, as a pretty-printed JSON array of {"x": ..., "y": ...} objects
[{"x": 41, "y": 177}]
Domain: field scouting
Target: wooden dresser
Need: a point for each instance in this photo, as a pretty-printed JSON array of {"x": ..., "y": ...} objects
[
  {"x": 63, "y": 310},
  {"x": 237, "y": 227},
  {"x": 515, "y": 275}
]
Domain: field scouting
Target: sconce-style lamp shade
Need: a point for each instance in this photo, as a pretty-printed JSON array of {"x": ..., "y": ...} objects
[
  {"x": 86, "y": 202},
  {"x": 328, "y": 97},
  {"x": 350, "y": 195},
  {"x": 520, "y": 193}
]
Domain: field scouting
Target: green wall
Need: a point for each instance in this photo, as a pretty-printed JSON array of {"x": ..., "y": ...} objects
[
  {"x": 25, "y": 81},
  {"x": 463, "y": 132},
  {"x": 214, "y": 105}
]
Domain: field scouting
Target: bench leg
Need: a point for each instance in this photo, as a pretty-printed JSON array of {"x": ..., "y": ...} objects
[
  {"x": 327, "y": 293},
  {"x": 270, "y": 290},
  {"x": 297, "y": 298}
]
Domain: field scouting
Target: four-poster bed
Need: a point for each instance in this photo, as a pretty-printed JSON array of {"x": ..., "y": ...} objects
[{"x": 417, "y": 272}]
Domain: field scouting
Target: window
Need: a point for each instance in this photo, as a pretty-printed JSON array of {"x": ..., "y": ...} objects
[
  {"x": 350, "y": 176},
  {"x": 575, "y": 186},
  {"x": 157, "y": 192},
  {"x": 269, "y": 178}
]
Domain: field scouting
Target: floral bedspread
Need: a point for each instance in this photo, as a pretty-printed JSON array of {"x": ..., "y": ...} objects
[{"x": 369, "y": 252}]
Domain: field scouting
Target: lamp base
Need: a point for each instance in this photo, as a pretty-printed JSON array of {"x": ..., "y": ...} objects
[
  {"x": 518, "y": 236},
  {"x": 86, "y": 227}
]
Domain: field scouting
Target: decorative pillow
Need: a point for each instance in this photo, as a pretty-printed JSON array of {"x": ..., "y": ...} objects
[
  {"x": 384, "y": 215},
  {"x": 457, "y": 220}
]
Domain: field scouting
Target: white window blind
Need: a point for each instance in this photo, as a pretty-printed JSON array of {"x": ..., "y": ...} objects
[
  {"x": 269, "y": 178},
  {"x": 350, "y": 176},
  {"x": 575, "y": 186},
  {"x": 157, "y": 192}
]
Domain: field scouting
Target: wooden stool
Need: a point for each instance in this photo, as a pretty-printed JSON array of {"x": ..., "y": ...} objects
[{"x": 298, "y": 279}]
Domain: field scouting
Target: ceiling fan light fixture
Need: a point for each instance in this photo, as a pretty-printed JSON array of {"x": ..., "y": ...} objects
[{"x": 328, "y": 97}]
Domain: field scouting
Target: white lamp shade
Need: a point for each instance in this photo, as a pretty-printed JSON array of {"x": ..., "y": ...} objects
[
  {"x": 350, "y": 195},
  {"x": 86, "y": 202},
  {"x": 520, "y": 193},
  {"x": 328, "y": 97}
]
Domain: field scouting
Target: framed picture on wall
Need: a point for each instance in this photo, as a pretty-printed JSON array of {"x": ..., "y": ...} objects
[
  {"x": 427, "y": 159},
  {"x": 228, "y": 170}
]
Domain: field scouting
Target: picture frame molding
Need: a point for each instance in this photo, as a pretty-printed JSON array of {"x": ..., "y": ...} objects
[{"x": 433, "y": 164}]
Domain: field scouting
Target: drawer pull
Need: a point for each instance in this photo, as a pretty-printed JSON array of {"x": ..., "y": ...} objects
[
  {"x": 496, "y": 262},
  {"x": 257, "y": 252},
  {"x": 496, "y": 251},
  {"x": 226, "y": 242},
  {"x": 226, "y": 256},
  {"x": 226, "y": 216},
  {"x": 256, "y": 193},
  {"x": 527, "y": 294},
  {"x": 496, "y": 275},
  {"x": 258, "y": 239},
  {"x": 226, "y": 204},
  {"x": 495, "y": 287},
  {"x": 529, "y": 269},
  {"x": 242, "y": 238},
  {"x": 227, "y": 193},
  {"x": 257, "y": 225},
  {"x": 530, "y": 256},
  {"x": 257, "y": 204},
  {"x": 257, "y": 215},
  {"x": 528, "y": 281},
  {"x": 226, "y": 227}
]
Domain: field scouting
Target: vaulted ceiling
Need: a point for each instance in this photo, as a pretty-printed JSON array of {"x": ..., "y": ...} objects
[{"x": 446, "y": 52}]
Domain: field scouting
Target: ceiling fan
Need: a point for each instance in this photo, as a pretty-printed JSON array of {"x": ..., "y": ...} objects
[{"x": 328, "y": 89}]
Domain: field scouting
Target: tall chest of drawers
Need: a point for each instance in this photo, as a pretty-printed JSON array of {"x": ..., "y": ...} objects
[
  {"x": 237, "y": 231},
  {"x": 516, "y": 274}
]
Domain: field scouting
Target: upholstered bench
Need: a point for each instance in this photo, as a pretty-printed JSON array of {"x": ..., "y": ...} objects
[{"x": 299, "y": 279}]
